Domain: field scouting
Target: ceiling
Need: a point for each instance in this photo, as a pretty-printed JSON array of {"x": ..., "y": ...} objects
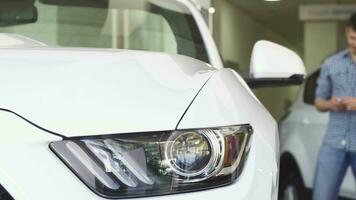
[{"x": 282, "y": 16}]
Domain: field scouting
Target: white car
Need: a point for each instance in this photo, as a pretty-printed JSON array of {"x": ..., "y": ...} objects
[
  {"x": 301, "y": 133},
  {"x": 81, "y": 119}
]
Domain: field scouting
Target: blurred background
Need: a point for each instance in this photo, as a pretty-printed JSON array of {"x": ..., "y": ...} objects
[{"x": 312, "y": 28}]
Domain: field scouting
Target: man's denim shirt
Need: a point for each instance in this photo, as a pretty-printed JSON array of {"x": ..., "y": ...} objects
[{"x": 338, "y": 78}]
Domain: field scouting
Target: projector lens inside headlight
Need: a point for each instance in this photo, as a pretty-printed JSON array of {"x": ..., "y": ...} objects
[
  {"x": 195, "y": 153},
  {"x": 147, "y": 164},
  {"x": 189, "y": 153}
]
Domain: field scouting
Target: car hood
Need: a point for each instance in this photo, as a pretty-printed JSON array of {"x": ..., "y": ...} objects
[{"x": 83, "y": 92}]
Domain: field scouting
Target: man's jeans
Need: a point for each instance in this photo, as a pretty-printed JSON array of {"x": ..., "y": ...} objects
[{"x": 330, "y": 172}]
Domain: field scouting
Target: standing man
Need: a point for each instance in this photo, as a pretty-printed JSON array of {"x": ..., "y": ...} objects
[{"x": 336, "y": 92}]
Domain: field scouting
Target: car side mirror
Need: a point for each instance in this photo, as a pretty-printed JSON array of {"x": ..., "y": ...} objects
[
  {"x": 17, "y": 12},
  {"x": 273, "y": 65}
]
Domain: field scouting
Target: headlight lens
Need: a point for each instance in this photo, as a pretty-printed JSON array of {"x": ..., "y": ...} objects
[
  {"x": 147, "y": 164},
  {"x": 195, "y": 154}
]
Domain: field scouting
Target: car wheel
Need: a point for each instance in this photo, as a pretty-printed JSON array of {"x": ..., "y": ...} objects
[{"x": 291, "y": 188}]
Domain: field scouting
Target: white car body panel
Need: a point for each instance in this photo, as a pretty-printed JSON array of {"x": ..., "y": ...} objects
[
  {"x": 219, "y": 97},
  {"x": 301, "y": 135},
  {"x": 130, "y": 86},
  {"x": 219, "y": 103}
]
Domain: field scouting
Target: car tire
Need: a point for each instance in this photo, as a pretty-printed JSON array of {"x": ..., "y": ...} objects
[{"x": 291, "y": 187}]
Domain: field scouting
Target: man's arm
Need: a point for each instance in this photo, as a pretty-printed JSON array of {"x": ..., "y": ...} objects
[{"x": 323, "y": 99}]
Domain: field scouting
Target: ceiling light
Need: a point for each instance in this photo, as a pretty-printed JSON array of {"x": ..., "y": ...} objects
[{"x": 211, "y": 10}]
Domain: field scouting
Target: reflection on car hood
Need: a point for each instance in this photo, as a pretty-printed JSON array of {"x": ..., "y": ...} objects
[
  {"x": 77, "y": 92},
  {"x": 10, "y": 40}
]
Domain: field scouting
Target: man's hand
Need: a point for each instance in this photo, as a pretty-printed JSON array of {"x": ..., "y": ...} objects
[
  {"x": 350, "y": 103},
  {"x": 337, "y": 104},
  {"x": 334, "y": 104}
]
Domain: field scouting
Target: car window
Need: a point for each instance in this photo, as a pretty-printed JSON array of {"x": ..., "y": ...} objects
[
  {"x": 152, "y": 25},
  {"x": 310, "y": 87}
]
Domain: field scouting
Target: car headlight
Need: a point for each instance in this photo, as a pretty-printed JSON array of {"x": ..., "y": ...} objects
[{"x": 157, "y": 163}]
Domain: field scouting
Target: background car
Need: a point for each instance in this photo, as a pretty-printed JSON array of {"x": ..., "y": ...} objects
[{"x": 301, "y": 133}]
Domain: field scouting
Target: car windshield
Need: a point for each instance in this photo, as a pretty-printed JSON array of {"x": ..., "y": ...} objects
[{"x": 152, "y": 25}]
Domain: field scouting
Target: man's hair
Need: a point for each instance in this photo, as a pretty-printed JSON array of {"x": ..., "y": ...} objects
[{"x": 352, "y": 22}]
